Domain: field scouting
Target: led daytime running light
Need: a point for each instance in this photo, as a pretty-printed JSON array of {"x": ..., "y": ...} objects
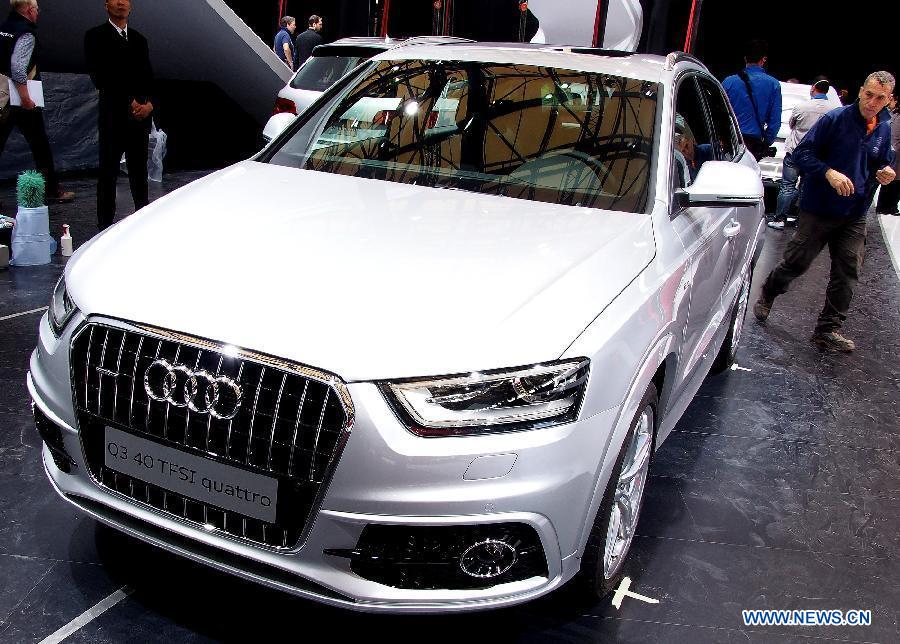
[
  {"x": 507, "y": 400},
  {"x": 61, "y": 307}
]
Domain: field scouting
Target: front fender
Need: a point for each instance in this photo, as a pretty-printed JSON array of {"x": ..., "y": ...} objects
[{"x": 662, "y": 351}]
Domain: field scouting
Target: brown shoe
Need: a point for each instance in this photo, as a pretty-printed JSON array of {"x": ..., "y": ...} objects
[
  {"x": 67, "y": 196},
  {"x": 833, "y": 341},
  {"x": 762, "y": 308}
]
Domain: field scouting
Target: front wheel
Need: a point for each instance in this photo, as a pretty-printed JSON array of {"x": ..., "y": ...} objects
[{"x": 614, "y": 527}]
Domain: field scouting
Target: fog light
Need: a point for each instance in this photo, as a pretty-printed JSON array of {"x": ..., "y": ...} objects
[
  {"x": 452, "y": 557},
  {"x": 487, "y": 559},
  {"x": 51, "y": 434}
]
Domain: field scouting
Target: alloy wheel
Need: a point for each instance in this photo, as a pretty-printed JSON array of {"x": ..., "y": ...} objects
[
  {"x": 740, "y": 313},
  {"x": 628, "y": 494}
]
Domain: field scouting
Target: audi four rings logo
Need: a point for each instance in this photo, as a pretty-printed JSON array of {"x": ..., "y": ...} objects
[{"x": 199, "y": 391}]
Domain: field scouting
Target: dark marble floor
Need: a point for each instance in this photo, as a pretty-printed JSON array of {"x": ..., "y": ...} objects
[{"x": 780, "y": 488}]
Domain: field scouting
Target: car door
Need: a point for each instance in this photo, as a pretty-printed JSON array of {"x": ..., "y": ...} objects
[
  {"x": 744, "y": 220},
  {"x": 703, "y": 230}
]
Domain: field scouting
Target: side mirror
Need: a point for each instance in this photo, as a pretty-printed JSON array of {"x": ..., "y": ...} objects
[{"x": 722, "y": 184}]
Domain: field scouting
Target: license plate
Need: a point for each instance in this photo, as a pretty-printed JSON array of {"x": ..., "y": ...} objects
[{"x": 195, "y": 477}]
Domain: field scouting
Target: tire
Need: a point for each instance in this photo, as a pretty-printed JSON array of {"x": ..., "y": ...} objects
[
  {"x": 602, "y": 565},
  {"x": 725, "y": 357}
]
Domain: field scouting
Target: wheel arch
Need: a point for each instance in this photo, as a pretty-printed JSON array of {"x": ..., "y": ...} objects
[{"x": 659, "y": 368}]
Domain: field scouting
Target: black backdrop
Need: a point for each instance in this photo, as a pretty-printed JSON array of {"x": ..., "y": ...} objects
[
  {"x": 806, "y": 37},
  {"x": 843, "y": 41}
]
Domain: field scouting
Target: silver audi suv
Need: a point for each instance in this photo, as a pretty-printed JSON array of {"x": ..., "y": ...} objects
[{"x": 475, "y": 288}]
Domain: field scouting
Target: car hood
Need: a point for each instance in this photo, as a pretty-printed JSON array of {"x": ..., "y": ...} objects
[{"x": 367, "y": 279}]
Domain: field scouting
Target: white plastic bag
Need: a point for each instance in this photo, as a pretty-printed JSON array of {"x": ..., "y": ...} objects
[{"x": 156, "y": 152}]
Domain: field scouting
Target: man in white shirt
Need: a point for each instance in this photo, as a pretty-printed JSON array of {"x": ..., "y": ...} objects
[{"x": 803, "y": 117}]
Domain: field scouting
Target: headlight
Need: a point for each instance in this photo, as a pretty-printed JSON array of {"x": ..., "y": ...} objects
[
  {"x": 497, "y": 401},
  {"x": 61, "y": 307}
]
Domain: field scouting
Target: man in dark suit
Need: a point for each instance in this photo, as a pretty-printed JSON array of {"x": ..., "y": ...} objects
[
  {"x": 118, "y": 60},
  {"x": 308, "y": 40}
]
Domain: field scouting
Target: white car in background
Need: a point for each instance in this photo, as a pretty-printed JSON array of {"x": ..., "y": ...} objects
[
  {"x": 573, "y": 22},
  {"x": 792, "y": 94},
  {"x": 328, "y": 63}
]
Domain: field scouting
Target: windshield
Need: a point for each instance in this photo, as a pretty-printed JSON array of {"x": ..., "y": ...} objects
[
  {"x": 320, "y": 72},
  {"x": 528, "y": 132}
]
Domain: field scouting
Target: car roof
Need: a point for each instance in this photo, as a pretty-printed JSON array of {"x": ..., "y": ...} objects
[
  {"x": 798, "y": 92},
  {"x": 373, "y": 43},
  {"x": 384, "y": 44},
  {"x": 640, "y": 66},
  {"x": 795, "y": 89}
]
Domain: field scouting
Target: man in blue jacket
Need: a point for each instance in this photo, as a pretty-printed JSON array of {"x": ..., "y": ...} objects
[
  {"x": 842, "y": 158},
  {"x": 756, "y": 99}
]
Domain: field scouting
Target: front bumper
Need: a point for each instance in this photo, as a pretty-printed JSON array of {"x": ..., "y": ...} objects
[{"x": 544, "y": 479}]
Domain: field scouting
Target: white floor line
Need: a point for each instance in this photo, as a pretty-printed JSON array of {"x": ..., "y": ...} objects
[
  {"x": 15, "y": 315},
  {"x": 890, "y": 227},
  {"x": 88, "y": 616}
]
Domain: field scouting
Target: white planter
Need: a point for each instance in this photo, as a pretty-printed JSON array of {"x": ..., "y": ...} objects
[{"x": 32, "y": 244}]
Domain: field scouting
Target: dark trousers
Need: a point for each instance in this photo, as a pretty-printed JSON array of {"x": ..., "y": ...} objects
[
  {"x": 31, "y": 125},
  {"x": 846, "y": 240},
  {"x": 117, "y": 137},
  {"x": 888, "y": 197}
]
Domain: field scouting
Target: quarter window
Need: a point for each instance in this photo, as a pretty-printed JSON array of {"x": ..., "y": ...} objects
[{"x": 720, "y": 115}]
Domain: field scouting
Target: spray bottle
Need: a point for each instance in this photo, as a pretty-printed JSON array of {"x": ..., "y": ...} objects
[{"x": 65, "y": 242}]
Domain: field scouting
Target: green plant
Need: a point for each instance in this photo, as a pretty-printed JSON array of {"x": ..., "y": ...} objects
[{"x": 30, "y": 189}]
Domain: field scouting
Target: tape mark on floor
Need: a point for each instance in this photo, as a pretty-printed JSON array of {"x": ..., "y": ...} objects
[
  {"x": 88, "y": 616},
  {"x": 622, "y": 592},
  {"x": 16, "y": 315}
]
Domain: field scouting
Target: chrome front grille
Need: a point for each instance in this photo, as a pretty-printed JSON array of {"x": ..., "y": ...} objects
[{"x": 290, "y": 421}]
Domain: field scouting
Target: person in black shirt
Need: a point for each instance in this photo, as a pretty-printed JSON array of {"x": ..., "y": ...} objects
[
  {"x": 308, "y": 40},
  {"x": 118, "y": 60},
  {"x": 19, "y": 60}
]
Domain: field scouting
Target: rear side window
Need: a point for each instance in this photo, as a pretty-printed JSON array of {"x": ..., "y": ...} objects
[
  {"x": 321, "y": 72},
  {"x": 725, "y": 136},
  {"x": 528, "y": 132}
]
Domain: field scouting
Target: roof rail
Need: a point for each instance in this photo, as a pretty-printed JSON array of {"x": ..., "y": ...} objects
[
  {"x": 598, "y": 51},
  {"x": 433, "y": 40},
  {"x": 678, "y": 56}
]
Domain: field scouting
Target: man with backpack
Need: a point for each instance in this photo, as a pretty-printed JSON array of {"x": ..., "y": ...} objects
[{"x": 756, "y": 99}]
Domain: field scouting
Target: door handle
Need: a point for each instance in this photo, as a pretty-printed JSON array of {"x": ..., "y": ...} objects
[{"x": 732, "y": 229}]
